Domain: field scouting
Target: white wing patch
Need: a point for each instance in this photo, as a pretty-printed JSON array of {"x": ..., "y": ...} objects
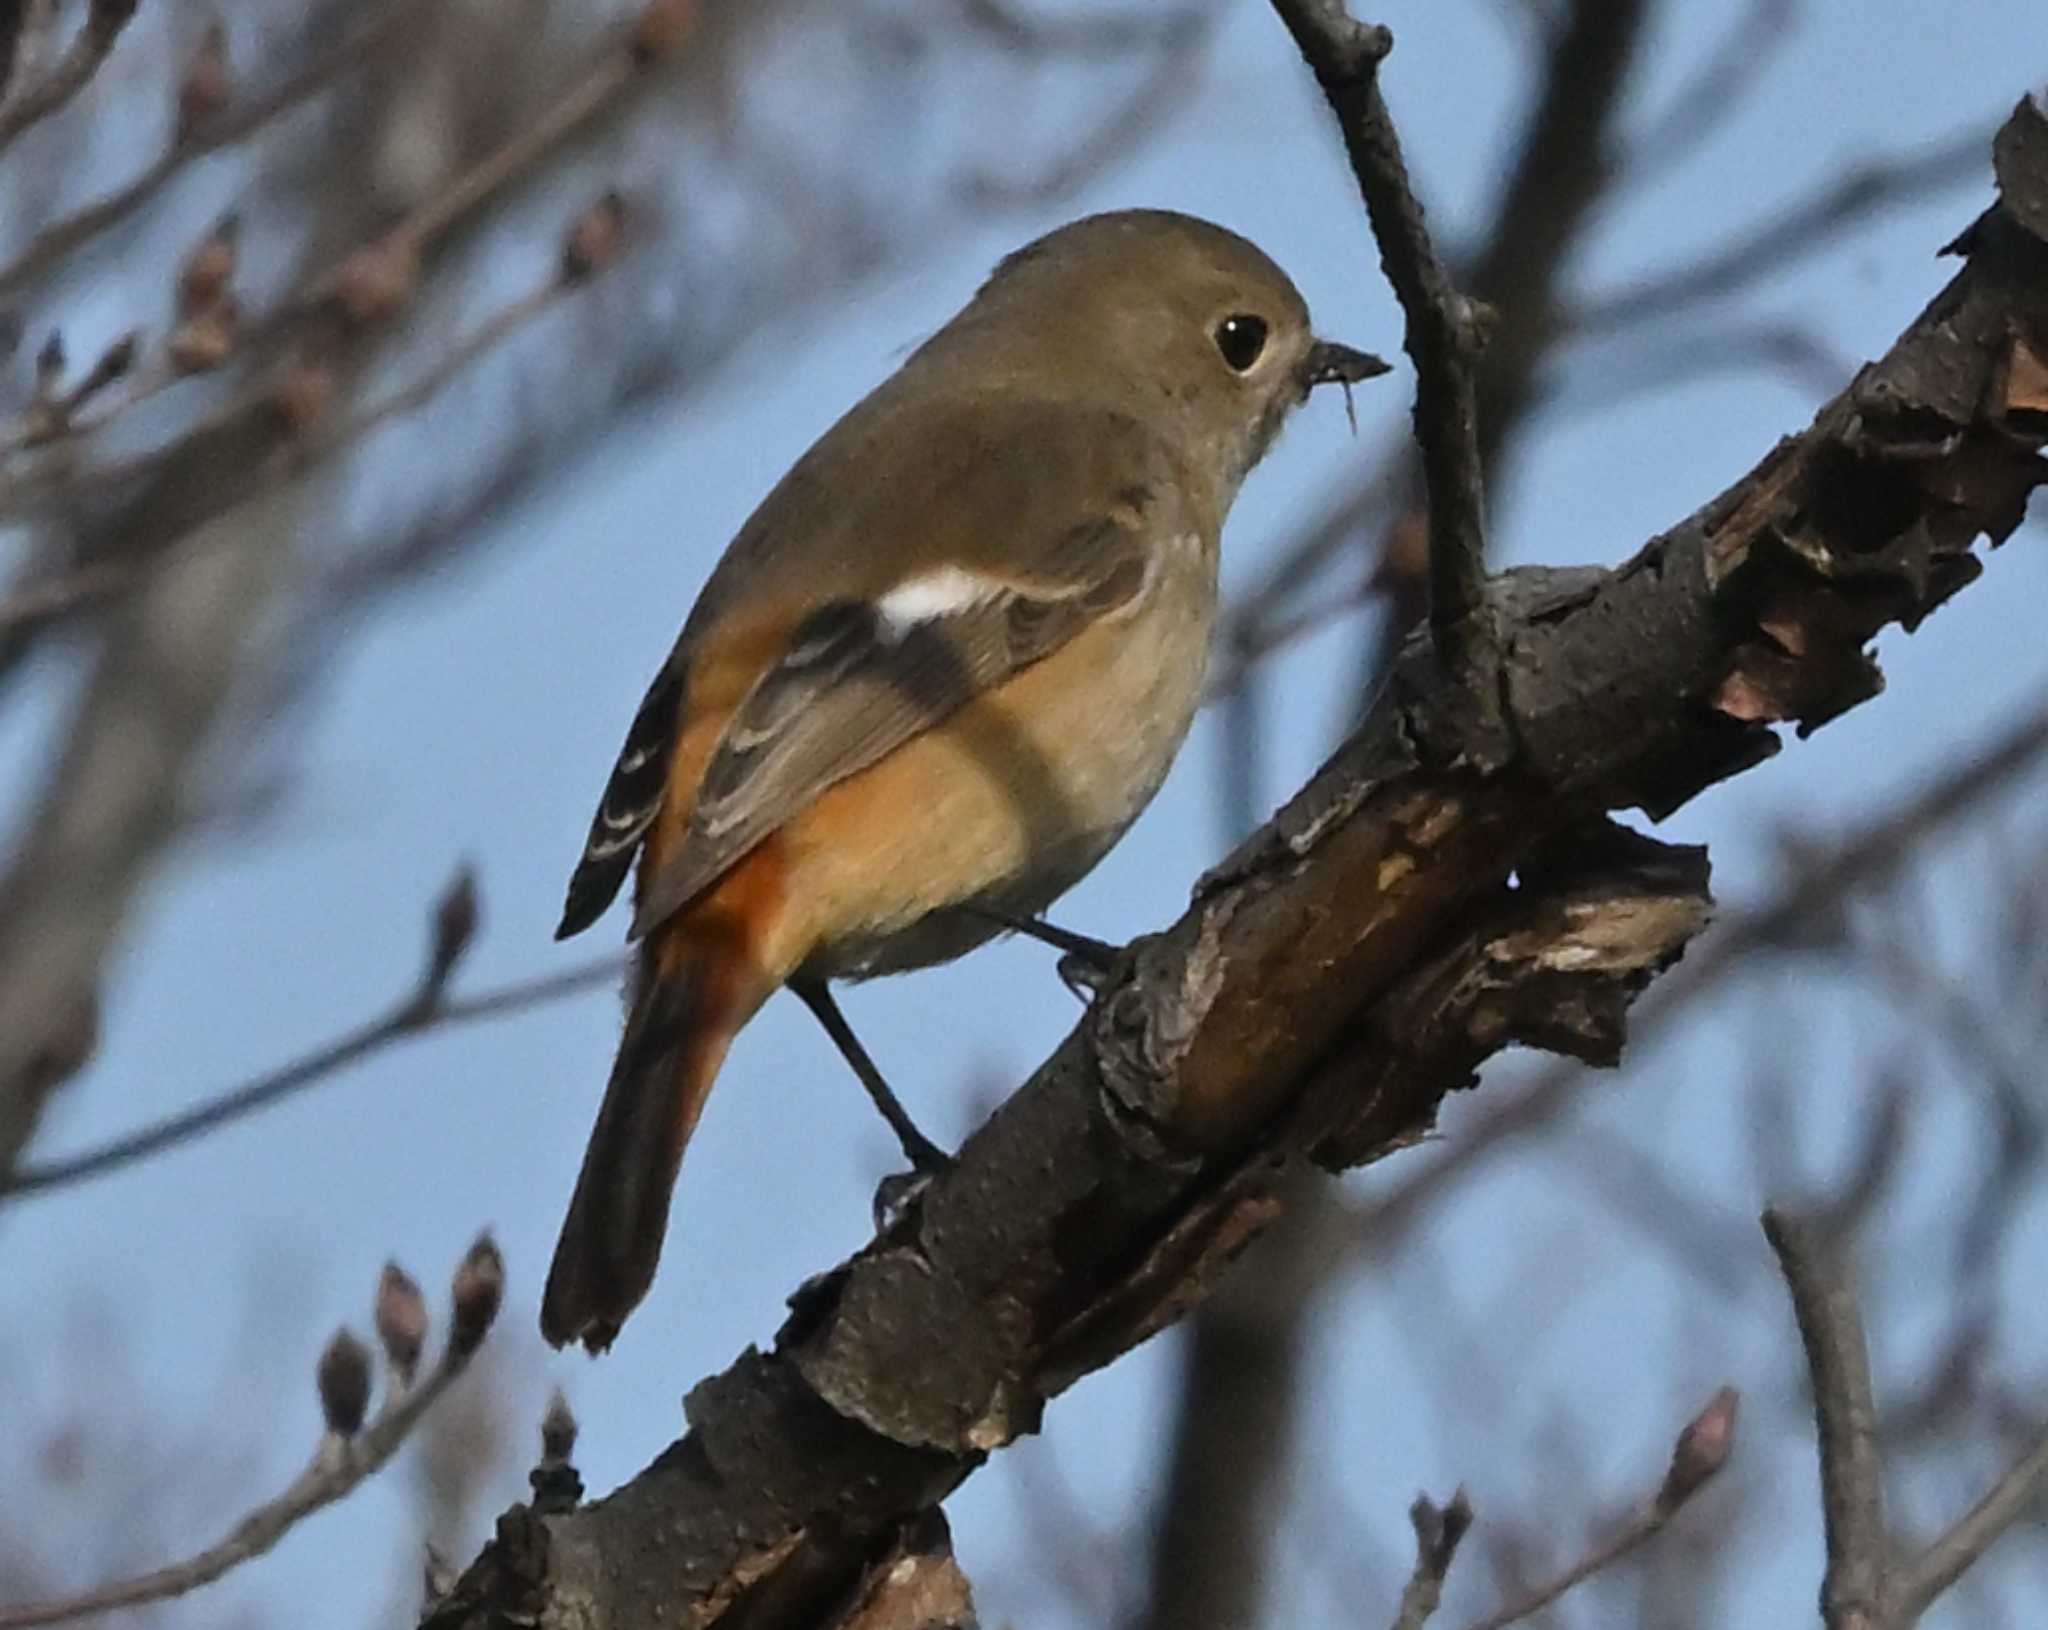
[{"x": 932, "y": 595}]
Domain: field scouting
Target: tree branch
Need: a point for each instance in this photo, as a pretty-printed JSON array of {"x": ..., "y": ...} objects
[
  {"x": 62, "y": 237},
  {"x": 1443, "y": 336},
  {"x": 1439, "y": 1530},
  {"x": 350, "y": 1452},
  {"x": 104, "y": 21},
  {"x": 1917, "y": 1583},
  {"x": 1697, "y": 1457},
  {"x": 1814, "y": 1258},
  {"x": 425, "y": 1006}
]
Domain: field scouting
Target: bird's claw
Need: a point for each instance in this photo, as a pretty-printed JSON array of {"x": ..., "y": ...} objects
[{"x": 898, "y": 1194}]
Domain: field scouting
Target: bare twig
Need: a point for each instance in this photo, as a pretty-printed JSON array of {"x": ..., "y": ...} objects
[
  {"x": 62, "y": 237},
  {"x": 59, "y": 594},
  {"x": 486, "y": 337},
  {"x": 595, "y": 91},
  {"x": 1815, "y": 1262},
  {"x": 350, "y": 1453},
  {"x": 1443, "y": 329},
  {"x": 1916, "y": 1584},
  {"x": 104, "y": 21},
  {"x": 1438, "y": 1533},
  {"x": 424, "y": 1007},
  {"x": 1701, "y": 1451}
]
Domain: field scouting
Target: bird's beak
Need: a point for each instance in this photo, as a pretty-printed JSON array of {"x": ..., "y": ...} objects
[{"x": 1329, "y": 363}]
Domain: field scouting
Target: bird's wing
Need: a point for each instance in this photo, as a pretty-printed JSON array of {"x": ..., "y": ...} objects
[
  {"x": 632, "y": 798},
  {"x": 862, "y": 675}
]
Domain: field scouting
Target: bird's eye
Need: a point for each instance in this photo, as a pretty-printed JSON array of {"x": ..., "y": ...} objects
[{"x": 1241, "y": 338}]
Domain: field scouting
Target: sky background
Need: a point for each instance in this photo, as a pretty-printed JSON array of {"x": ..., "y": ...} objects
[{"x": 476, "y": 721}]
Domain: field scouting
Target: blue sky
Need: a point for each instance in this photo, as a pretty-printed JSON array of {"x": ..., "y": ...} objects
[{"x": 477, "y": 720}]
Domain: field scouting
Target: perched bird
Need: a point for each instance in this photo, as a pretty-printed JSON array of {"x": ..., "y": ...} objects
[{"x": 933, "y": 679}]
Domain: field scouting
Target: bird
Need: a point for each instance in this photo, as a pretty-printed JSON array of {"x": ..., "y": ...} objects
[{"x": 932, "y": 680}]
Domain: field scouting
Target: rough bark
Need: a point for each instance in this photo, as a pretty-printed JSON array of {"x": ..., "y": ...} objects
[{"x": 1440, "y": 889}]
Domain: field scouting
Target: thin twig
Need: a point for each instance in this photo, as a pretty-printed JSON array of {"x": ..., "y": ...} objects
[
  {"x": 1916, "y": 1584},
  {"x": 1438, "y": 1532},
  {"x": 1815, "y": 1261},
  {"x": 104, "y": 21},
  {"x": 346, "y": 1456},
  {"x": 1443, "y": 331},
  {"x": 595, "y": 91},
  {"x": 402, "y": 1023},
  {"x": 42, "y": 599},
  {"x": 442, "y": 372},
  {"x": 60, "y": 238},
  {"x": 1701, "y": 1451}
]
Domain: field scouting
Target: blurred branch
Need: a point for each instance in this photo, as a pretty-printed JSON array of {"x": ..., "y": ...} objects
[
  {"x": 104, "y": 21},
  {"x": 1796, "y": 231},
  {"x": 1114, "y": 34},
  {"x": 1176, "y": 39},
  {"x": 1712, "y": 93},
  {"x": 351, "y": 1451},
  {"x": 1791, "y": 350},
  {"x": 215, "y": 131},
  {"x": 206, "y": 516}
]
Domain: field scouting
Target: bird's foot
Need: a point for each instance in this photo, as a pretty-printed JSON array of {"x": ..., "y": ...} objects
[
  {"x": 900, "y": 1192},
  {"x": 1084, "y": 963}
]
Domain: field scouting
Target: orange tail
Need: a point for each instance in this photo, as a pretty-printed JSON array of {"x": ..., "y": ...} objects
[{"x": 684, "y": 1015}]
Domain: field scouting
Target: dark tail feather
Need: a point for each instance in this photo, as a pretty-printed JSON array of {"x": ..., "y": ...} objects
[{"x": 611, "y": 1241}]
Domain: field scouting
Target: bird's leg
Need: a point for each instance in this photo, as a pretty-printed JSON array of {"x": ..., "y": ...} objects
[
  {"x": 926, "y": 1157},
  {"x": 1084, "y": 962}
]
